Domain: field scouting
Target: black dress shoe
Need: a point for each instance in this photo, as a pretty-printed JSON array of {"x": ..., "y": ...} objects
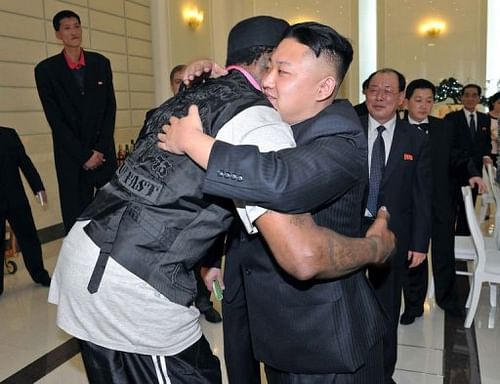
[
  {"x": 212, "y": 316},
  {"x": 45, "y": 281},
  {"x": 407, "y": 318}
]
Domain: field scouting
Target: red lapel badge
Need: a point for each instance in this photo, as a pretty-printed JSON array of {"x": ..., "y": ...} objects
[{"x": 407, "y": 156}]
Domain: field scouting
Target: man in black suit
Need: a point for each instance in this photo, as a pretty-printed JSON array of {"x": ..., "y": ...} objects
[
  {"x": 305, "y": 326},
  {"x": 14, "y": 205},
  {"x": 448, "y": 161},
  {"x": 361, "y": 107},
  {"x": 76, "y": 91},
  {"x": 474, "y": 137},
  {"x": 400, "y": 179}
]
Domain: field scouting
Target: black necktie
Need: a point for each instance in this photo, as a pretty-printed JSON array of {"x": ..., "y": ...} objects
[
  {"x": 472, "y": 125},
  {"x": 376, "y": 171}
]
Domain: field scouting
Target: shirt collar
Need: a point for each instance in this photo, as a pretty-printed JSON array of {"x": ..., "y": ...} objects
[
  {"x": 71, "y": 64},
  {"x": 414, "y": 122},
  {"x": 389, "y": 125},
  {"x": 247, "y": 74}
]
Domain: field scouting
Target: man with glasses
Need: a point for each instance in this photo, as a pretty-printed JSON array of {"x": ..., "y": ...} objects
[{"x": 400, "y": 179}]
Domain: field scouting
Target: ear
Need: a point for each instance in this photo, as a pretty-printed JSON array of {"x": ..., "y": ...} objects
[
  {"x": 405, "y": 103},
  {"x": 58, "y": 35},
  {"x": 401, "y": 98},
  {"x": 326, "y": 89}
]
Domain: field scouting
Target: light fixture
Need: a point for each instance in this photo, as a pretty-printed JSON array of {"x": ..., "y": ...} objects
[
  {"x": 193, "y": 17},
  {"x": 432, "y": 28}
]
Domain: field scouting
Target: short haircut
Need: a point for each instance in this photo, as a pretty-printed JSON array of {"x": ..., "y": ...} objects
[
  {"x": 56, "y": 20},
  {"x": 322, "y": 39},
  {"x": 364, "y": 85},
  {"x": 472, "y": 86},
  {"x": 401, "y": 78},
  {"x": 248, "y": 55},
  {"x": 492, "y": 100},
  {"x": 419, "y": 84},
  {"x": 177, "y": 68}
]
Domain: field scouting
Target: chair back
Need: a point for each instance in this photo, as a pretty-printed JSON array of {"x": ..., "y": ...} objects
[
  {"x": 492, "y": 184},
  {"x": 475, "y": 230}
]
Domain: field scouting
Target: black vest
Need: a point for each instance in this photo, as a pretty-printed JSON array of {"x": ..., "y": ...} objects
[{"x": 152, "y": 217}]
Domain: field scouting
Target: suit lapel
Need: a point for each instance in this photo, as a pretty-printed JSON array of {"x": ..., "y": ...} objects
[
  {"x": 396, "y": 153},
  {"x": 68, "y": 81}
]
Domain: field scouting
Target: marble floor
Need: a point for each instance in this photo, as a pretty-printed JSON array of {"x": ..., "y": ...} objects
[{"x": 33, "y": 349}]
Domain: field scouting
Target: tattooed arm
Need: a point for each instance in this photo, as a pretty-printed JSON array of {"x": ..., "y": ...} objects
[{"x": 307, "y": 251}]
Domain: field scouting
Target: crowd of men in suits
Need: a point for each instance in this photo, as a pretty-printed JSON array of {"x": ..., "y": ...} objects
[{"x": 414, "y": 168}]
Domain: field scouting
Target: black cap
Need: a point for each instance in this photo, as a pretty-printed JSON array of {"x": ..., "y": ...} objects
[{"x": 256, "y": 31}]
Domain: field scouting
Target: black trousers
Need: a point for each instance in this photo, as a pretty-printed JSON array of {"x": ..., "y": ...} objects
[
  {"x": 371, "y": 373},
  {"x": 21, "y": 221},
  {"x": 241, "y": 366},
  {"x": 195, "y": 365},
  {"x": 443, "y": 269},
  {"x": 462, "y": 228}
]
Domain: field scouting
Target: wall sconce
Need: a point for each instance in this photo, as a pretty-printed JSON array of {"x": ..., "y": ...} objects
[
  {"x": 432, "y": 28},
  {"x": 193, "y": 17}
]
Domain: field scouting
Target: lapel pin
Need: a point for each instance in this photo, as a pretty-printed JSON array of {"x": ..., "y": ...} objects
[{"x": 407, "y": 156}]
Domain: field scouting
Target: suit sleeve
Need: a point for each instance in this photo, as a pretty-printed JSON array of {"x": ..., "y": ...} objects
[
  {"x": 62, "y": 134},
  {"x": 27, "y": 167},
  {"x": 294, "y": 180},
  {"x": 461, "y": 164},
  {"x": 107, "y": 128},
  {"x": 422, "y": 199}
]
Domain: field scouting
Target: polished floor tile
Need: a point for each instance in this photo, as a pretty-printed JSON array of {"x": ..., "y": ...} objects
[{"x": 28, "y": 332}]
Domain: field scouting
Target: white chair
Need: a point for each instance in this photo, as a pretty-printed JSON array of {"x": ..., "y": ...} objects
[
  {"x": 487, "y": 198},
  {"x": 487, "y": 265},
  {"x": 494, "y": 190}
]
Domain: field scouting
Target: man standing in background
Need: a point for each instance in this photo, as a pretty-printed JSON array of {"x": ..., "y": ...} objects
[
  {"x": 447, "y": 161},
  {"x": 474, "y": 138},
  {"x": 14, "y": 205},
  {"x": 400, "y": 179},
  {"x": 77, "y": 95}
]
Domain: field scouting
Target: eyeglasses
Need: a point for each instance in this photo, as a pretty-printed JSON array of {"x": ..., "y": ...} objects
[{"x": 387, "y": 93}]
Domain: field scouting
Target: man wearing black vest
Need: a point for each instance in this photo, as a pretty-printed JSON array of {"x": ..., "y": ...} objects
[{"x": 76, "y": 91}]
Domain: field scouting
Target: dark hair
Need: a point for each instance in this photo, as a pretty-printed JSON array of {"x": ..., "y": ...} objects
[
  {"x": 248, "y": 55},
  {"x": 56, "y": 20},
  {"x": 472, "y": 86},
  {"x": 176, "y": 69},
  {"x": 364, "y": 85},
  {"x": 493, "y": 99},
  {"x": 401, "y": 78},
  {"x": 322, "y": 39},
  {"x": 419, "y": 84}
]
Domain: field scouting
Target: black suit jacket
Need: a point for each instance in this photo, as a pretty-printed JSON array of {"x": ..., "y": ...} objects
[
  {"x": 13, "y": 158},
  {"x": 315, "y": 326},
  {"x": 449, "y": 164},
  {"x": 406, "y": 188},
  {"x": 80, "y": 120},
  {"x": 477, "y": 146}
]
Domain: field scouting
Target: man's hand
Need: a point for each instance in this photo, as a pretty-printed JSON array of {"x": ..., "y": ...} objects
[
  {"x": 478, "y": 182},
  {"x": 95, "y": 161},
  {"x": 385, "y": 241},
  {"x": 416, "y": 258},
  {"x": 209, "y": 275},
  {"x": 204, "y": 67},
  {"x": 180, "y": 132}
]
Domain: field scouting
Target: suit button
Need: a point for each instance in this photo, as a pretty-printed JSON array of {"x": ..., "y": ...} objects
[
  {"x": 239, "y": 178},
  {"x": 227, "y": 175},
  {"x": 220, "y": 173},
  {"x": 248, "y": 271},
  {"x": 233, "y": 176}
]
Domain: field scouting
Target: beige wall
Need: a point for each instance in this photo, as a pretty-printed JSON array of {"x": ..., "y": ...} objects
[
  {"x": 119, "y": 29},
  {"x": 459, "y": 52},
  {"x": 126, "y": 31}
]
